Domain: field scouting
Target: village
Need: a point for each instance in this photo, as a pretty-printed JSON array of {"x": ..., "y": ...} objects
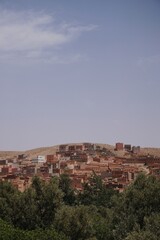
[{"x": 79, "y": 162}]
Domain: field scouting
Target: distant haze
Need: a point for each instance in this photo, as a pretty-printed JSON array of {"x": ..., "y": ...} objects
[{"x": 79, "y": 71}]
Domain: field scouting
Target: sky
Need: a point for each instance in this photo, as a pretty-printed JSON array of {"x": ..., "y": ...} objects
[{"x": 79, "y": 71}]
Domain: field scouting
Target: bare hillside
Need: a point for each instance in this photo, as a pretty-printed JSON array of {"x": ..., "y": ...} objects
[
  {"x": 9, "y": 154},
  {"x": 151, "y": 151},
  {"x": 52, "y": 150}
]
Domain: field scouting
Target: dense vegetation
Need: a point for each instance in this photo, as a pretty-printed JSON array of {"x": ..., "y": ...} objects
[{"x": 54, "y": 211}]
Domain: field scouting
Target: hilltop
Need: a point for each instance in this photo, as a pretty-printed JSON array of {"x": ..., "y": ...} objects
[{"x": 52, "y": 150}]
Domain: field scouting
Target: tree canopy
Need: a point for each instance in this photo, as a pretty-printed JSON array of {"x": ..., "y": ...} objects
[{"x": 54, "y": 210}]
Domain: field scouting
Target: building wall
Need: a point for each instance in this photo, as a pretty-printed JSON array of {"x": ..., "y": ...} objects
[
  {"x": 127, "y": 147},
  {"x": 50, "y": 158},
  {"x": 119, "y": 146},
  {"x": 136, "y": 149}
]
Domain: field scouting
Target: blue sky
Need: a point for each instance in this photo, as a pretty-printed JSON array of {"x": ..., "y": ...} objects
[{"x": 78, "y": 71}]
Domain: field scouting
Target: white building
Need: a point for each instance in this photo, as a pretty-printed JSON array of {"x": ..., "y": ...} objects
[{"x": 39, "y": 159}]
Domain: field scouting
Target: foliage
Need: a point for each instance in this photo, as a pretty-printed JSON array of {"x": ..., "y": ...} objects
[
  {"x": 34, "y": 208},
  {"x": 75, "y": 222},
  {"x": 96, "y": 193},
  {"x": 8, "y": 197},
  {"x": 52, "y": 210},
  {"x": 141, "y": 235},
  {"x": 48, "y": 198},
  {"x": 152, "y": 223},
  {"x": 142, "y": 198},
  {"x": 69, "y": 197},
  {"x": 103, "y": 223},
  {"x": 137, "y": 202},
  {"x": 8, "y": 232},
  {"x": 26, "y": 211}
]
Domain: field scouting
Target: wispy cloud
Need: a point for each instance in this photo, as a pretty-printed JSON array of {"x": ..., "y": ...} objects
[{"x": 33, "y": 35}]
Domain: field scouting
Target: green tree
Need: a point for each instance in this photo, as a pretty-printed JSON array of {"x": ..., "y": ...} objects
[
  {"x": 95, "y": 192},
  {"x": 8, "y": 199},
  {"x": 8, "y": 232},
  {"x": 69, "y": 197},
  {"x": 142, "y": 197},
  {"x": 152, "y": 223},
  {"x": 103, "y": 223},
  {"x": 75, "y": 222},
  {"x": 135, "y": 204},
  {"x": 36, "y": 207},
  {"x": 141, "y": 235},
  {"x": 26, "y": 215},
  {"x": 48, "y": 234},
  {"x": 48, "y": 199}
]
